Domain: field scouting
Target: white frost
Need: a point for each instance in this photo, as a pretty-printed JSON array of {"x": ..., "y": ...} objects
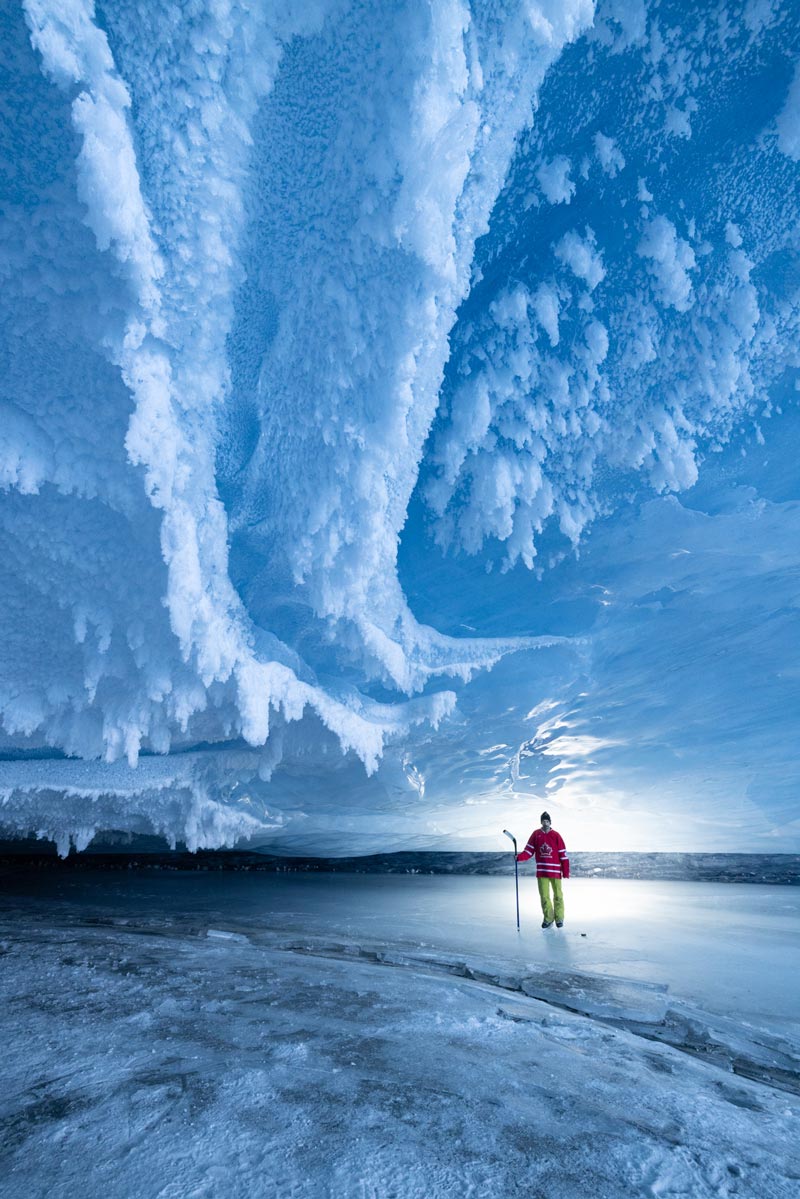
[
  {"x": 670, "y": 259},
  {"x": 788, "y": 120},
  {"x": 555, "y": 181}
]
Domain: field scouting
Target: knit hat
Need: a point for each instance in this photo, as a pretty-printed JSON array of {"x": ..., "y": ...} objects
[{"x": 545, "y": 816}]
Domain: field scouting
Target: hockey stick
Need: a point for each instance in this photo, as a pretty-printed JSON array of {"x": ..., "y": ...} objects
[{"x": 513, "y": 840}]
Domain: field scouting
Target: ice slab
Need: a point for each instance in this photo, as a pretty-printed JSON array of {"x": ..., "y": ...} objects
[{"x": 600, "y": 995}]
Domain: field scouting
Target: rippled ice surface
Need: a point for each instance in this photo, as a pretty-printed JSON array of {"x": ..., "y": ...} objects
[{"x": 333, "y": 1035}]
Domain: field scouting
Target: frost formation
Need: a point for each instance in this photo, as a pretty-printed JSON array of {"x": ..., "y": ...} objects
[{"x": 303, "y": 302}]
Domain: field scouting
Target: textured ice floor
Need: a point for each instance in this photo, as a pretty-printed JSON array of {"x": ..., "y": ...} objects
[{"x": 205, "y": 1035}]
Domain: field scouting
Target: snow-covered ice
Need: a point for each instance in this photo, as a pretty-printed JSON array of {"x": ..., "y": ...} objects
[{"x": 176, "y": 1035}]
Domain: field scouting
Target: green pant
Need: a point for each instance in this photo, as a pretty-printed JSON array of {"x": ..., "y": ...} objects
[{"x": 544, "y": 885}]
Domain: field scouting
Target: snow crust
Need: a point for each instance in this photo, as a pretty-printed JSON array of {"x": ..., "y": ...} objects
[
  {"x": 349, "y": 1035},
  {"x": 300, "y": 298}
]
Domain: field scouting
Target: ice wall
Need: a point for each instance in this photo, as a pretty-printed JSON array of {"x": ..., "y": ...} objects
[
  {"x": 283, "y": 283},
  {"x": 166, "y": 198}
]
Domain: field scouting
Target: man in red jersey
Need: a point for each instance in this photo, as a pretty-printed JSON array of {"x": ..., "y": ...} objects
[{"x": 552, "y": 864}]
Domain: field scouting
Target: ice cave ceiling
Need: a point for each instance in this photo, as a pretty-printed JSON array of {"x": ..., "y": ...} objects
[{"x": 399, "y": 422}]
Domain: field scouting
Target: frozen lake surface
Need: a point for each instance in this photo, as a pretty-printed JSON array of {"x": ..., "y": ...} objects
[{"x": 317, "y": 1035}]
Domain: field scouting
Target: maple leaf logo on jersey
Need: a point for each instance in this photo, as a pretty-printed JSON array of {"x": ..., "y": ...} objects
[{"x": 545, "y": 849}]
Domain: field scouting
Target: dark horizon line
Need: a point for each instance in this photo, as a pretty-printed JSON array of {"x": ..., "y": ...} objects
[{"x": 42, "y": 847}]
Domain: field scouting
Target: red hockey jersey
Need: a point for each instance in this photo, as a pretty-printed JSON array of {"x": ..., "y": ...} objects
[{"x": 550, "y": 853}]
